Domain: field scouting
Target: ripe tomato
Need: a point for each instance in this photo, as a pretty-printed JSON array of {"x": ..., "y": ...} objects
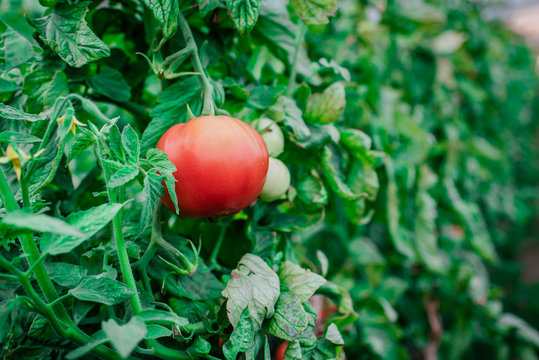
[
  {"x": 277, "y": 181},
  {"x": 221, "y": 165}
]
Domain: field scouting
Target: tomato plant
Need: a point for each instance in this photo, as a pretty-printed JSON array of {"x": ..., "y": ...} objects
[
  {"x": 221, "y": 165},
  {"x": 351, "y": 180}
]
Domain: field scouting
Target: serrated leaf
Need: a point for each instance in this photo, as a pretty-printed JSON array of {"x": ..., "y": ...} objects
[
  {"x": 66, "y": 32},
  {"x": 167, "y": 13},
  {"x": 244, "y": 13},
  {"x": 153, "y": 190},
  {"x": 10, "y": 113},
  {"x": 131, "y": 144},
  {"x": 110, "y": 83},
  {"x": 242, "y": 336},
  {"x": 88, "y": 222},
  {"x": 301, "y": 282},
  {"x": 315, "y": 11},
  {"x": 253, "y": 285},
  {"x": 162, "y": 317},
  {"x": 83, "y": 140},
  {"x": 123, "y": 175},
  {"x": 125, "y": 337},
  {"x": 289, "y": 319},
  {"x": 40, "y": 223},
  {"x": 103, "y": 290},
  {"x": 159, "y": 160}
]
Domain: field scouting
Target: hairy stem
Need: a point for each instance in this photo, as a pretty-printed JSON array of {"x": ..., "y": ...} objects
[{"x": 207, "y": 88}]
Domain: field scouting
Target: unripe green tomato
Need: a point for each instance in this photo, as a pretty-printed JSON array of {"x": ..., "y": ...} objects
[
  {"x": 271, "y": 134},
  {"x": 277, "y": 181}
]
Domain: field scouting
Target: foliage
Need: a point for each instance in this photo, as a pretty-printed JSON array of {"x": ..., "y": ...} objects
[{"x": 409, "y": 130}]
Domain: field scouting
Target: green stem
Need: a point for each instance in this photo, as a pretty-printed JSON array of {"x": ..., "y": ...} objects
[
  {"x": 31, "y": 251},
  {"x": 217, "y": 247},
  {"x": 207, "y": 88},
  {"x": 302, "y": 29},
  {"x": 121, "y": 249}
]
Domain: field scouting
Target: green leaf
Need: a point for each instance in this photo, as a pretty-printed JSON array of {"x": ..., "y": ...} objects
[
  {"x": 315, "y": 11},
  {"x": 89, "y": 222},
  {"x": 153, "y": 190},
  {"x": 125, "y": 337},
  {"x": 293, "y": 351},
  {"x": 40, "y": 223},
  {"x": 302, "y": 283},
  {"x": 17, "y": 138},
  {"x": 83, "y": 140},
  {"x": 333, "y": 335},
  {"x": 157, "y": 331},
  {"x": 334, "y": 176},
  {"x": 17, "y": 49},
  {"x": 110, "y": 83},
  {"x": 244, "y": 13},
  {"x": 171, "y": 110},
  {"x": 253, "y": 285},
  {"x": 123, "y": 175},
  {"x": 162, "y": 317},
  {"x": 262, "y": 97},
  {"x": 94, "y": 341},
  {"x": 159, "y": 160},
  {"x": 103, "y": 290},
  {"x": 325, "y": 108},
  {"x": 289, "y": 319},
  {"x": 65, "y": 274},
  {"x": 207, "y": 6},
  {"x": 524, "y": 330},
  {"x": 66, "y": 32},
  {"x": 131, "y": 144},
  {"x": 293, "y": 120},
  {"x": 44, "y": 88},
  {"x": 167, "y": 13},
  {"x": 311, "y": 191},
  {"x": 10, "y": 113},
  {"x": 242, "y": 336}
]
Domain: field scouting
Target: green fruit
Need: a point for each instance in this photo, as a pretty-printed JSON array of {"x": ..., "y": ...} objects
[
  {"x": 277, "y": 181},
  {"x": 271, "y": 134}
]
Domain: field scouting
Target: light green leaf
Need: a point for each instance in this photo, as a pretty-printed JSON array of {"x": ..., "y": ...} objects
[
  {"x": 123, "y": 175},
  {"x": 153, "y": 190},
  {"x": 40, "y": 223},
  {"x": 315, "y": 11},
  {"x": 95, "y": 340},
  {"x": 301, "y": 282},
  {"x": 17, "y": 138},
  {"x": 125, "y": 337},
  {"x": 88, "y": 222},
  {"x": 10, "y": 113},
  {"x": 253, "y": 285},
  {"x": 102, "y": 289},
  {"x": 65, "y": 274}
]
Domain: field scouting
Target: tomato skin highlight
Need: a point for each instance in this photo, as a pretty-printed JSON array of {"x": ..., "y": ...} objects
[
  {"x": 281, "y": 350},
  {"x": 221, "y": 165}
]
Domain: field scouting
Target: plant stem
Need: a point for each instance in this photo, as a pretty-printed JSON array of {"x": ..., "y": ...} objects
[
  {"x": 207, "y": 88},
  {"x": 302, "y": 29},
  {"x": 31, "y": 251},
  {"x": 217, "y": 247},
  {"x": 119, "y": 240}
]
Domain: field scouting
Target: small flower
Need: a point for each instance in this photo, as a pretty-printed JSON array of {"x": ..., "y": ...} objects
[
  {"x": 15, "y": 157},
  {"x": 73, "y": 125}
]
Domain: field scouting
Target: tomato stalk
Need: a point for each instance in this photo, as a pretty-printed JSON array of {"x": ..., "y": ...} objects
[{"x": 208, "y": 107}]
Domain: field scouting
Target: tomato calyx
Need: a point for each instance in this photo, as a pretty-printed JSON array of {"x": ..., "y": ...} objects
[{"x": 188, "y": 267}]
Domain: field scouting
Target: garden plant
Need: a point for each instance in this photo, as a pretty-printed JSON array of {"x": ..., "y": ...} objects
[{"x": 260, "y": 179}]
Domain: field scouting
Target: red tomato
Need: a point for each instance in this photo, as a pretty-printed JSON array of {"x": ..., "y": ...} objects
[
  {"x": 221, "y": 165},
  {"x": 281, "y": 349}
]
